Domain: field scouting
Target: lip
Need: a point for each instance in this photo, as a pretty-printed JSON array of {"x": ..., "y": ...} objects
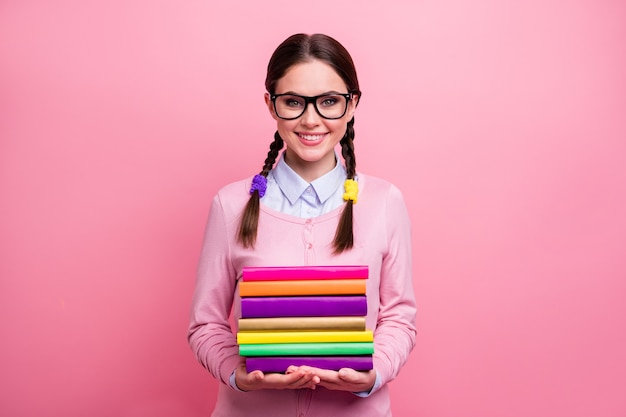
[{"x": 311, "y": 138}]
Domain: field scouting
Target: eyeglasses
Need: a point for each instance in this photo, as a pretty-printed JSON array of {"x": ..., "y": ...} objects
[{"x": 329, "y": 106}]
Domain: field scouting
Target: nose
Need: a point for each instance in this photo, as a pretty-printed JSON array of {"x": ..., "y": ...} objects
[{"x": 310, "y": 116}]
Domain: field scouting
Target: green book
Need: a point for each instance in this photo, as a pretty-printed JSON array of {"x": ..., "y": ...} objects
[{"x": 301, "y": 349}]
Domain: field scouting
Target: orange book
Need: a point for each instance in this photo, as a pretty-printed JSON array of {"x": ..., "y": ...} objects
[{"x": 302, "y": 287}]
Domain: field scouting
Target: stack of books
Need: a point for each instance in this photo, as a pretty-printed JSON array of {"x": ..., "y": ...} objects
[{"x": 309, "y": 315}]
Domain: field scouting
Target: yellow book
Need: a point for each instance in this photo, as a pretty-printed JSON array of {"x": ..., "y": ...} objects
[{"x": 245, "y": 338}]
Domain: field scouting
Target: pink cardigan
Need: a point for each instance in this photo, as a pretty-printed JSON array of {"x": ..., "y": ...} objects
[{"x": 382, "y": 239}]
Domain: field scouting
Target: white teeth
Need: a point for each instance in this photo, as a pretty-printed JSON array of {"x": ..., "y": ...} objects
[{"x": 311, "y": 137}]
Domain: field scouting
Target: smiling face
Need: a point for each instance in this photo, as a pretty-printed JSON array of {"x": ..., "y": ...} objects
[{"x": 311, "y": 139}]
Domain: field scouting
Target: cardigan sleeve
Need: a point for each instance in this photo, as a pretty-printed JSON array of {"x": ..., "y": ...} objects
[
  {"x": 395, "y": 332},
  {"x": 210, "y": 335}
]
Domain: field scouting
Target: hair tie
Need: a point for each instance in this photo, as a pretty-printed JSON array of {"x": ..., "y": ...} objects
[
  {"x": 259, "y": 183},
  {"x": 352, "y": 190}
]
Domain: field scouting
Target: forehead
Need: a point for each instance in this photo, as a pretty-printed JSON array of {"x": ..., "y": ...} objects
[{"x": 310, "y": 78}]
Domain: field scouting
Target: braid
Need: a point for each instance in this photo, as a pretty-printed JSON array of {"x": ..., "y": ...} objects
[
  {"x": 275, "y": 146},
  {"x": 344, "y": 236},
  {"x": 347, "y": 150},
  {"x": 250, "y": 218}
]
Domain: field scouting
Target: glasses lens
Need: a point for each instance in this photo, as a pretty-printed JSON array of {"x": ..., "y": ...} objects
[
  {"x": 290, "y": 107},
  {"x": 330, "y": 106}
]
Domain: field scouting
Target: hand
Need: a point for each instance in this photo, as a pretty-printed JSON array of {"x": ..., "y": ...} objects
[
  {"x": 345, "y": 379},
  {"x": 255, "y": 380}
]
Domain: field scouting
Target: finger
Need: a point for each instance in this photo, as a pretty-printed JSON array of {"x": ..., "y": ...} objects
[
  {"x": 303, "y": 378},
  {"x": 293, "y": 368},
  {"x": 327, "y": 375}
]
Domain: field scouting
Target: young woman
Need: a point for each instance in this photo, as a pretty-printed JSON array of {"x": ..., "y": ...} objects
[{"x": 301, "y": 209}]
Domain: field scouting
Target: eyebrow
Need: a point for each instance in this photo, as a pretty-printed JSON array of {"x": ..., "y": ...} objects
[{"x": 322, "y": 94}]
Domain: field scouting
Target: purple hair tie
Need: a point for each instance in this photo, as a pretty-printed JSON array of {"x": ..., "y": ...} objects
[{"x": 259, "y": 183}]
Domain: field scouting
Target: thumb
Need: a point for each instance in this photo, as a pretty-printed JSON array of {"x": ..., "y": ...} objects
[
  {"x": 348, "y": 375},
  {"x": 257, "y": 375}
]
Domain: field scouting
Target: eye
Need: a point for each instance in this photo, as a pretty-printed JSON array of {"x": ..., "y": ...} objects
[
  {"x": 328, "y": 101},
  {"x": 292, "y": 101}
]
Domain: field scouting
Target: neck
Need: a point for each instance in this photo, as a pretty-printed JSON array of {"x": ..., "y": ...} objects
[{"x": 310, "y": 171}]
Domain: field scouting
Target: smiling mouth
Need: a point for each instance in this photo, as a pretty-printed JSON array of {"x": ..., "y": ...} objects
[{"x": 312, "y": 137}]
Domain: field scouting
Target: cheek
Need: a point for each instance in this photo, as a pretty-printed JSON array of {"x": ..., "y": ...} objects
[
  {"x": 284, "y": 125},
  {"x": 285, "y": 128},
  {"x": 337, "y": 126}
]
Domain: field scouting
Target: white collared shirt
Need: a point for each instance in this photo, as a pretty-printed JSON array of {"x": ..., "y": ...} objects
[{"x": 288, "y": 193}]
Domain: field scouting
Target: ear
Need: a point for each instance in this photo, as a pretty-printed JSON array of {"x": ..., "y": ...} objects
[
  {"x": 352, "y": 106},
  {"x": 270, "y": 105}
]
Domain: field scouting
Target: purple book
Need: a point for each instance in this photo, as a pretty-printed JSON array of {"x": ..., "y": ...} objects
[
  {"x": 281, "y": 273},
  {"x": 312, "y": 306},
  {"x": 334, "y": 363}
]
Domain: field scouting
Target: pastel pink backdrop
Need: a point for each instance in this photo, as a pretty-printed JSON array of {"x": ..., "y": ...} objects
[{"x": 504, "y": 123}]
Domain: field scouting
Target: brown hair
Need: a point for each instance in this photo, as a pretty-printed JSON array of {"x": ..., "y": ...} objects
[{"x": 295, "y": 50}]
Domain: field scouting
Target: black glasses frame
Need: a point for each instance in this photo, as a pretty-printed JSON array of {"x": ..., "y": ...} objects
[{"x": 311, "y": 100}]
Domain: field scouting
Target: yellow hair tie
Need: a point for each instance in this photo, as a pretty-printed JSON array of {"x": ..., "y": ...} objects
[{"x": 352, "y": 190}]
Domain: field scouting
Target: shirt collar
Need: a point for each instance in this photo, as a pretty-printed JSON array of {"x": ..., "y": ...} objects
[{"x": 293, "y": 186}]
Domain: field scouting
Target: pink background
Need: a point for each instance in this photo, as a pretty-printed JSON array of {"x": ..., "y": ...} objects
[{"x": 504, "y": 123}]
